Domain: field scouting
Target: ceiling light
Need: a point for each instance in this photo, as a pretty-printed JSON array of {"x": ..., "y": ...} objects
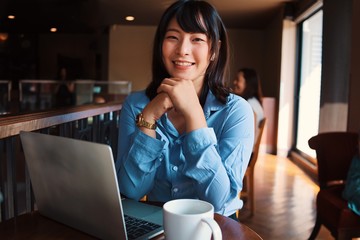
[
  {"x": 130, "y": 18},
  {"x": 53, "y": 29},
  {"x": 11, "y": 17}
]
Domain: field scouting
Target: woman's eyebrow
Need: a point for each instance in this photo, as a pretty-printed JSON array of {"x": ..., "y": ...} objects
[
  {"x": 178, "y": 31},
  {"x": 172, "y": 30}
]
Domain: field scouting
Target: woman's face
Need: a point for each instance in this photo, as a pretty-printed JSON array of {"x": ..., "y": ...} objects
[
  {"x": 239, "y": 84},
  {"x": 185, "y": 55}
]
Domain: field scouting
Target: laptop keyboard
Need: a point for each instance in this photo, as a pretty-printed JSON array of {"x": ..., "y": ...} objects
[{"x": 137, "y": 227}]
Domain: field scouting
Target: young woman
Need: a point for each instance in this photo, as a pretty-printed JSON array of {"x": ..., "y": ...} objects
[{"x": 186, "y": 136}]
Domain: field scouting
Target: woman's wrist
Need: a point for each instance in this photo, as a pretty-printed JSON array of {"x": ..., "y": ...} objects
[
  {"x": 148, "y": 124},
  {"x": 142, "y": 122}
]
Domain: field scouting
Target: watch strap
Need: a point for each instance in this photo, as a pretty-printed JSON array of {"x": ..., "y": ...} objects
[{"x": 141, "y": 122}]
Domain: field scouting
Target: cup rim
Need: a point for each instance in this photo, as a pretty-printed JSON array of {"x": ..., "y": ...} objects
[{"x": 170, "y": 203}]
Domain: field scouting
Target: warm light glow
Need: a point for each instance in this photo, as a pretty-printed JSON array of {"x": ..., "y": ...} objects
[
  {"x": 53, "y": 29},
  {"x": 130, "y": 18},
  {"x": 3, "y": 37},
  {"x": 11, "y": 17}
]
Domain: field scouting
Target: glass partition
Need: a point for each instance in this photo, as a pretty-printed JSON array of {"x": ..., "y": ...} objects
[
  {"x": 5, "y": 93},
  {"x": 47, "y": 94},
  {"x": 37, "y": 94}
]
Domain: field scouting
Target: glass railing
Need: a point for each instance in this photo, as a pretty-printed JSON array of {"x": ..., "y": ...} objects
[{"x": 91, "y": 122}]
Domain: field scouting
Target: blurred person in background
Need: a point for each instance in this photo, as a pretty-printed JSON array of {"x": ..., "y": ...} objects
[{"x": 247, "y": 85}]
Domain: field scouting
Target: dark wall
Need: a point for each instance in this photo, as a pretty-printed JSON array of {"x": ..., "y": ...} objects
[
  {"x": 18, "y": 56},
  {"x": 336, "y": 65},
  {"x": 354, "y": 86}
]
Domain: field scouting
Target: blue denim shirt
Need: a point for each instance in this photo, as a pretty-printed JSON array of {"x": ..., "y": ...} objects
[{"x": 207, "y": 163}]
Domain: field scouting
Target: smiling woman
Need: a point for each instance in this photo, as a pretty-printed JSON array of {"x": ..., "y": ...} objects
[
  {"x": 186, "y": 136},
  {"x": 186, "y": 55}
]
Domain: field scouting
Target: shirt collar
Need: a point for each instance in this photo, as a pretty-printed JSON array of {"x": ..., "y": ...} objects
[{"x": 211, "y": 104}]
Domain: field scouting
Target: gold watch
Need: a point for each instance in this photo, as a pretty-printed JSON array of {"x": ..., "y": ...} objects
[{"x": 140, "y": 122}]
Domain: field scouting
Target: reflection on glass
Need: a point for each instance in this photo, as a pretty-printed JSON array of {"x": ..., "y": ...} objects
[{"x": 44, "y": 94}]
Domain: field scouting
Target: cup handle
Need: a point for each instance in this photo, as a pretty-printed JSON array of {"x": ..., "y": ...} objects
[{"x": 216, "y": 231}]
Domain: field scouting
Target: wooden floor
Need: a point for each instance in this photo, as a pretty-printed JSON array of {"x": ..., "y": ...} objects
[{"x": 284, "y": 201}]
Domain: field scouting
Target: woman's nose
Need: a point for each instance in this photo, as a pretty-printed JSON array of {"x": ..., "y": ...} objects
[{"x": 184, "y": 48}]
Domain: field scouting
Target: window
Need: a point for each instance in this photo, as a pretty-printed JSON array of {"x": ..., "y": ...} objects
[{"x": 309, "y": 81}]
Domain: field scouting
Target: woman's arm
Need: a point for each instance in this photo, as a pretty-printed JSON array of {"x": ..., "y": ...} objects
[
  {"x": 139, "y": 155},
  {"x": 218, "y": 161}
]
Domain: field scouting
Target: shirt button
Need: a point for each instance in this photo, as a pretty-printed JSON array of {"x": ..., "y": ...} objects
[
  {"x": 175, "y": 168},
  {"x": 175, "y": 190}
]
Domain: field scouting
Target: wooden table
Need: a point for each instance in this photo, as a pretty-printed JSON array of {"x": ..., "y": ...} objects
[{"x": 33, "y": 226}]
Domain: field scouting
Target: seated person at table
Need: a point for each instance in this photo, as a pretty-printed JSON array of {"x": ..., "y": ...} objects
[
  {"x": 247, "y": 85},
  {"x": 186, "y": 136},
  {"x": 64, "y": 95}
]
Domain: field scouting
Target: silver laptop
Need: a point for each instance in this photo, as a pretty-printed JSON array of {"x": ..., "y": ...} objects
[{"x": 75, "y": 183}]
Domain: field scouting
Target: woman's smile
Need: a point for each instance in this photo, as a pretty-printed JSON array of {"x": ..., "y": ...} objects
[{"x": 183, "y": 64}]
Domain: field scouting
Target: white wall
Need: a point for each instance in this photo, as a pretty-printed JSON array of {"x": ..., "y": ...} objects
[
  {"x": 286, "y": 102},
  {"x": 130, "y": 53}
]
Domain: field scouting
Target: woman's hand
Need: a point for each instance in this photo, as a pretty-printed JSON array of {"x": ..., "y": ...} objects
[
  {"x": 185, "y": 101},
  {"x": 157, "y": 107},
  {"x": 182, "y": 94}
]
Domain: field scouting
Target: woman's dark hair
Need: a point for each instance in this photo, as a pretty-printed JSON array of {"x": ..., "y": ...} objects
[
  {"x": 253, "y": 87},
  {"x": 195, "y": 17}
]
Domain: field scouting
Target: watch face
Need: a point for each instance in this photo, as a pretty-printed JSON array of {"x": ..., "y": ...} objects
[{"x": 139, "y": 120}]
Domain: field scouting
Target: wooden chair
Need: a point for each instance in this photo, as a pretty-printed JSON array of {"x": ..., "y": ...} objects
[
  {"x": 334, "y": 151},
  {"x": 248, "y": 192}
]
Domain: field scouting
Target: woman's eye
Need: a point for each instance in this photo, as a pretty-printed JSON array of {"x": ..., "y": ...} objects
[
  {"x": 199, "y": 40},
  {"x": 171, "y": 37}
]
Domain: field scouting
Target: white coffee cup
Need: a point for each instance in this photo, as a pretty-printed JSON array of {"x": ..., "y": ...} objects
[{"x": 190, "y": 219}]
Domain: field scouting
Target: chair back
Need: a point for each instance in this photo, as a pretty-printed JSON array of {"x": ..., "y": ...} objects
[
  {"x": 334, "y": 152},
  {"x": 257, "y": 142}
]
